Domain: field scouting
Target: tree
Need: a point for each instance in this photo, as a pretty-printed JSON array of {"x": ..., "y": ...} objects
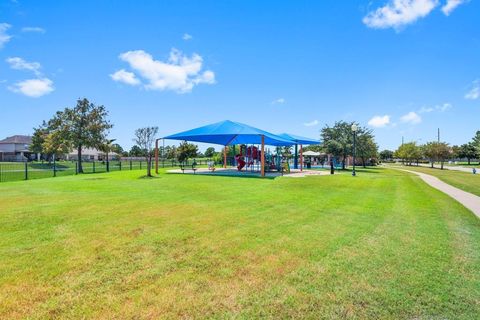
[
  {"x": 38, "y": 138},
  {"x": 145, "y": 139},
  {"x": 186, "y": 150},
  {"x": 366, "y": 147},
  {"x": 136, "y": 151},
  {"x": 409, "y": 152},
  {"x": 386, "y": 155},
  {"x": 338, "y": 140},
  {"x": 209, "y": 152},
  {"x": 85, "y": 125},
  {"x": 443, "y": 152},
  {"x": 468, "y": 151},
  {"x": 116, "y": 148}
]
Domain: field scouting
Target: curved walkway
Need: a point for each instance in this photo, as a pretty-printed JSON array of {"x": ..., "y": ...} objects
[{"x": 470, "y": 201}]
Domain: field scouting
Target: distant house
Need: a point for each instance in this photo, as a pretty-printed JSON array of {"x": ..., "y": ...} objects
[
  {"x": 16, "y": 148},
  {"x": 92, "y": 154}
]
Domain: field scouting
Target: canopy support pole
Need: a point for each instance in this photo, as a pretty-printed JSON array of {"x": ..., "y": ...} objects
[
  {"x": 262, "y": 157},
  {"x": 295, "y": 159},
  {"x": 301, "y": 158},
  {"x": 156, "y": 156},
  {"x": 225, "y": 157}
]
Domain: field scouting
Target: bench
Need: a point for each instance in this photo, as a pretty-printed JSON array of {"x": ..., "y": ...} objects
[{"x": 184, "y": 166}]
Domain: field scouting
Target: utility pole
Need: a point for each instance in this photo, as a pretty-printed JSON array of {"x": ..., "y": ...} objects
[{"x": 438, "y": 134}]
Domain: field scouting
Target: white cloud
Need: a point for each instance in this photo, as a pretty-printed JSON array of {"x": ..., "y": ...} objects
[
  {"x": 4, "y": 37},
  {"x": 33, "y": 29},
  {"x": 397, "y": 13},
  {"x": 451, "y": 5},
  {"x": 474, "y": 92},
  {"x": 20, "y": 64},
  {"x": 311, "y": 123},
  {"x": 179, "y": 73},
  {"x": 440, "y": 108},
  {"x": 411, "y": 117},
  {"x": 187, "y": 37},
  {"x": 379, "y": 121},
  {"x": 125, "y": 77},
  {"x": 279, "y": 101},
  {"x": 34, "y": 87}
]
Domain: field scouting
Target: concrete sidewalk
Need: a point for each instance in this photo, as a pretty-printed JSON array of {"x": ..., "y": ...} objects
[
  {"x": 470, "y": 201},
  {"x": 453, "y": 168}
]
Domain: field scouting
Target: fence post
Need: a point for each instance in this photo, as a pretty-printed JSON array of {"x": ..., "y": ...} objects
[
  {"x": 140, "y": 164},
  {"x": 93, "y": 166},
  {"x": 76, "y": 167},
  {"x": 108, "y": 165},
  {"x": 26, "y": 170},
  {"x": 120, "y": 165},
  {"x": 54, "y": 167},
  {"x": 0, "y": 172},
  {"x": 130, "y": 165}
]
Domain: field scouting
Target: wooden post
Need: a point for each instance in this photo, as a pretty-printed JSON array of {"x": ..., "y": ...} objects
[
  {"x": 301, "y": 158},
  {"x": 225, "y": 157},
  {"x": 262, "y": 156},
  {"x": 156, "y": 156}
]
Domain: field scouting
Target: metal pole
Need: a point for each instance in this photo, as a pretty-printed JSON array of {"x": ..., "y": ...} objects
[
  {"x": 354, "y": 151},
  {"x": 262, "y": 157},
  {"x": 225, "y": 157},
  {"x": 54, "y": 167},
  {"x": 301, "y": 157},
  {"x": 295, "y": 160},
  {"x": 26, "y": 170},
  {"x": 156, "y": 156}
]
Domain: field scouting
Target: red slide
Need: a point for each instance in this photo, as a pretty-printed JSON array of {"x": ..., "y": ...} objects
[{"x": 240, "y": 161}]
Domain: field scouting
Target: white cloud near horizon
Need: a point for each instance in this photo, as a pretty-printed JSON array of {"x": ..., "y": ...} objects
[
  {"x": 4, "y": 36},
  {"x": 187, "y": 37},
  {"x": 279, "y": 101},
  {"x": 34, "y": 88},
  {"x": 18, "y": 63},
  {"x": 179, "y": 73},
  {"x": 379, "y": 121},
  {"x": 398, "y": 13},
  {"x": 411, "y": 118},
  {"x": 126, "y": 77},
  {"x": 451, "y": 5},
  {"x": 33, "y": 29},
  {"x": 474, "y": 92},
  {"x": 311, "y": 123}
]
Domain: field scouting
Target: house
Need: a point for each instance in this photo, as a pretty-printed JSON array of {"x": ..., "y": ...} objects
[
  {"x": 91, "y": 154},
  {"x": 16, "y": 148}
]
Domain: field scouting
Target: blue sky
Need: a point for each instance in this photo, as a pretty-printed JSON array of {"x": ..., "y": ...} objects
[{"x": 401, "y": 67}]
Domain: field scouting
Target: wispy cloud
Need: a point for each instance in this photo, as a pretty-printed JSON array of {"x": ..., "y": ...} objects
[
  {"x": 20, "y": 64},
  {"x": 279, "y": 101},
  {"x": 33, "y": 87},
  {"x": 451, "y": 5},
  {"x": 33, "y": 29},
  {"x": 125, "y": 77},
  {"x": 311, "y": 123},
  {"x": 440, "y": 108},
  {"x": 187, "y": 37},
  {"x": 398, "y": 13},
  {"x": 411, "y": 118},
  {"x": 4, "y": 36},
  {"x": 379, "y": 121},
  {"x": 474, "y": 92},
  {"x": 179, "y": 73}
]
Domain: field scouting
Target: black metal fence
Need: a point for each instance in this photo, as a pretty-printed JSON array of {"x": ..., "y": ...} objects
[{"x": 16, "y": 171}]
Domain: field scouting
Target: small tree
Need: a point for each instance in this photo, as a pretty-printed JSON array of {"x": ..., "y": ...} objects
[
  {"x": 145, "y": 139},
  {"x": 186, "y": 150},
  {"x": 468, "y": 151},
  {"x": 409, "y": 152},
  {"x": 209, "y": 152},
  {"x": 386, "y": 155}
]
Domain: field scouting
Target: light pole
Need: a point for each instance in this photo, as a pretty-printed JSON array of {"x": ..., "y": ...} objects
[{"x": 354, "y": 130}]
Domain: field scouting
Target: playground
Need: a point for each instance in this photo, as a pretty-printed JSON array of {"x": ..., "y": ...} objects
[{"x": 244, "y": 149}]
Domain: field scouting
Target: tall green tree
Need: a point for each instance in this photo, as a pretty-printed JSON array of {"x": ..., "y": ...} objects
[
  {"x": 366, "y": 146},
  {"x": 468, "y": 151},
  {"x": 409, "y": 152},
  {"x": 338, "y": 140},
  {"x": 136, "y": 151},
  {"x": 145, "y": 139},
  {"x": 386, "y": 155},
  {"x": 209, "y": 152}
]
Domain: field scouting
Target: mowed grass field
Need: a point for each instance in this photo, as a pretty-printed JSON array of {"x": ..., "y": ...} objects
[
  {"x": 463, "y": 180},
  {"x": 382, "y": 245}
]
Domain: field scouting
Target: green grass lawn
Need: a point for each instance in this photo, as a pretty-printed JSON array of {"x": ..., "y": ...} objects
[
  {"x": 381, "y": 245},
  {"x": 463, "y": 180}
]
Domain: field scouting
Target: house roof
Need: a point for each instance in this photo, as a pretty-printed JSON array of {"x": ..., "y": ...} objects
[{"x": 17, "y": 139}]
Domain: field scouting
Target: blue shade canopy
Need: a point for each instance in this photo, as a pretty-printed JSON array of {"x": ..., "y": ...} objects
[
  {"x": 228, "y": 132},
  {"x": 299, "y": 139}
]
